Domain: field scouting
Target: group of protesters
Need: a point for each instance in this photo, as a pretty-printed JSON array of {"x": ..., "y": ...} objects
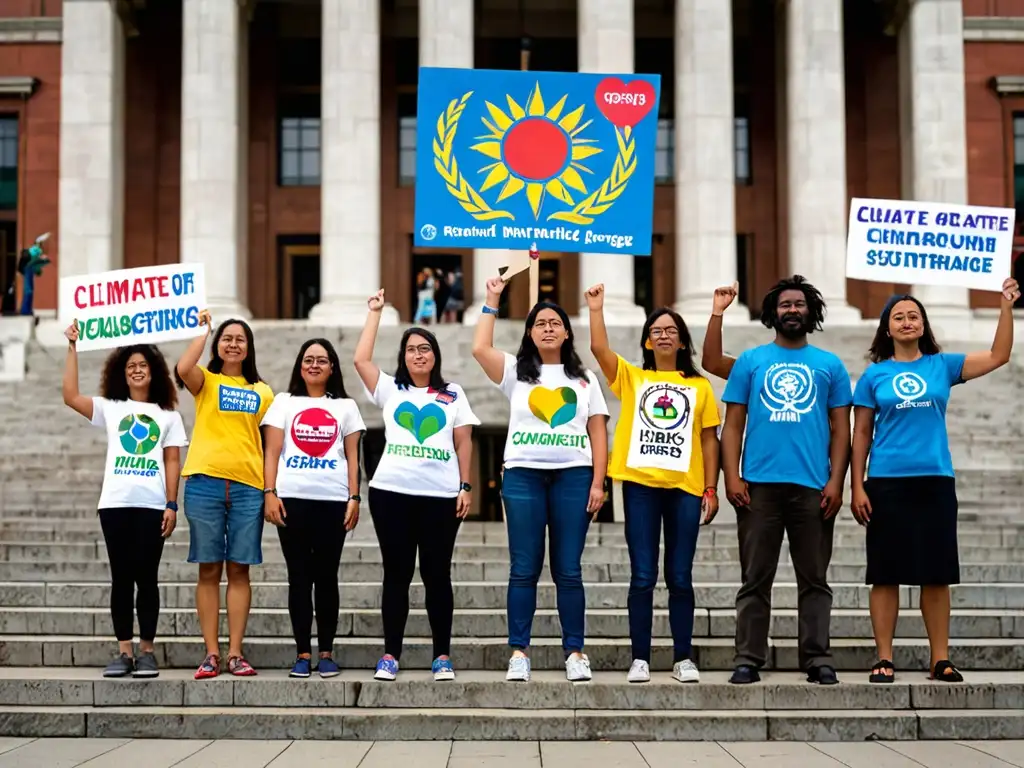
[{"x": 786, "y": 445}]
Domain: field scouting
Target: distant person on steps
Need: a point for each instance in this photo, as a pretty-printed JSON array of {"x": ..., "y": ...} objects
[
  {"x": 224, "y": 482},
  {"x": 138, "y": 506},
  {"x": 904, "y": 490}
]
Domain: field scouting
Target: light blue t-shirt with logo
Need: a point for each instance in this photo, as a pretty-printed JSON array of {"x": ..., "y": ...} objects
[
  {"x": 909, "y": 400},
  {"x": 788, "y": 394}
]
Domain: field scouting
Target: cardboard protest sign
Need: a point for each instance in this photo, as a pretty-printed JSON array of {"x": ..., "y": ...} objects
[
  {"x": 508, "y": 159},
  {"x": 148, "y": 305},
  {"x": 904, "y": 241}
]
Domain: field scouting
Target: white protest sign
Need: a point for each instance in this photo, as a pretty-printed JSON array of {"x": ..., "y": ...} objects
[
  {"x": 148, "y": 305},
  {"x": 903, "y": 241}
]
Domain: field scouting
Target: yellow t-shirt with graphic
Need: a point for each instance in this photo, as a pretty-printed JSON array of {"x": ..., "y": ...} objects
[
  {"x": 226, "y": 440},
  {"x": 658, "y": 438}
]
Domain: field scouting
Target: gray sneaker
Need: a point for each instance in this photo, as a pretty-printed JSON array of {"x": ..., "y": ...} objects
[
  {"x": 122, "y": 666},
  {"x": 145, "y": 666}
]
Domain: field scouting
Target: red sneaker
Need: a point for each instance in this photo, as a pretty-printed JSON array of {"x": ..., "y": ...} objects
[
  {"x": 239, "y": 667},
  {"x": 209, "y": 668}
]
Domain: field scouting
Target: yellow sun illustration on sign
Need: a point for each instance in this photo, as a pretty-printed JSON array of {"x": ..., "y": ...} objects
[{"x": 535, "y": 149}]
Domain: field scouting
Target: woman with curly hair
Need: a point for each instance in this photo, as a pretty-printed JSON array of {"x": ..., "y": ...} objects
[{"x": 138, "y": 503}]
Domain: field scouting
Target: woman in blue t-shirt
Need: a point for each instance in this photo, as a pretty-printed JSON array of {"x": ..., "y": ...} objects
[{"x": 909, "y": 503}]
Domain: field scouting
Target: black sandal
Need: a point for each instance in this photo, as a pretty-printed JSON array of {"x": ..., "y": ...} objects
[
  {"x": 878, "y": 675},
  {"x": 944, "y": 666}
]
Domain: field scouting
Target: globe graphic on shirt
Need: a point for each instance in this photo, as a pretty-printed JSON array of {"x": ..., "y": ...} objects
[{"x": 139, "y": 433}]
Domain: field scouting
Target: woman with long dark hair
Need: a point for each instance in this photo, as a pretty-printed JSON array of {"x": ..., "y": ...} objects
[
  {"x": 556, "y": 458},
  {"x": 138, "y": 506},
  {"x": 311, "y": 470},
  {"x": 224, "y": 482},
  {"x": 903, "y": 483},
  {"x": 665, "y": 454},
  {"x": 420, "y": 490}
]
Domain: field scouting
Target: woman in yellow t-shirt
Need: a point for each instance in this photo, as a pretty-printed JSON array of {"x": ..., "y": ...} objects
[
  {"x": 665, "y": 454},
  {"x": 224, "y": 482}
]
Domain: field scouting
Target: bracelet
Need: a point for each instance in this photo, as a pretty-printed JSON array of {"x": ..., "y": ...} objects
[
  {"x": 714, "y": 315},
  {"x": 270, "y": 490},
  {"x": 488, "y": 310},
  {"x": 710, "y": 491}
]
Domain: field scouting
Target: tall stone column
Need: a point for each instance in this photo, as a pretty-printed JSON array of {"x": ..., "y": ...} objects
[
  {"x": 933, "y": 125},
  {"x": 606, "y": 45},
  {"x": 214, "y": 149},
  {"x": 91, "y": 173},
  {"x": 705, "y": 158},
  {"x": 816, "y": 150},
  {"x": 350, "y": 233}
]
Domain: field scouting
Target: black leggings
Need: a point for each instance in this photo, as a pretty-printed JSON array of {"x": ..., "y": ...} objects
[
  {"x": 311, "y": 540},
  {"x": 405, "y": 523},
  {"x": 134, "y": 546}
]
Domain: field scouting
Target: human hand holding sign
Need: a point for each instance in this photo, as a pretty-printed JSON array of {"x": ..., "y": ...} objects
[
  {"x": 1011, "y": 292},
  {"x": 71, "y": 333},
  {"x": 495, "y": 287}
]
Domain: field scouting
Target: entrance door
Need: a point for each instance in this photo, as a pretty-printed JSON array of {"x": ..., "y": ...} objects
[{"x": 300, "y": 286}]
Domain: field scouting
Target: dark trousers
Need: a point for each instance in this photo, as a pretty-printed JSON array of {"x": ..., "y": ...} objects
[
  {"x": 405, "y": 524},
  {"x": 776, "y": 508},
  {"x": 311, "y": 540},
  {"x": 550, "y": 503},
  {"x": 134, "y": 546},
  {"x": 647, "y": 509}
]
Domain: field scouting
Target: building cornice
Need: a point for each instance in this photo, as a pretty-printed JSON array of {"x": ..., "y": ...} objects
[
  {"x": 18, "y": 86},
  {"x": 994, "y": 29},
  {"x": 1008, "y": 85},
  {"x": 40, "y": 29}
]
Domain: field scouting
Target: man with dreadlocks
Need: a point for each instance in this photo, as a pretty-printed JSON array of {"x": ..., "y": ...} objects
[{"x": 793, "y": 401}]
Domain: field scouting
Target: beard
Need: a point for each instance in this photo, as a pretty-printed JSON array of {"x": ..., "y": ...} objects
[{"x": 791, "y": 330}]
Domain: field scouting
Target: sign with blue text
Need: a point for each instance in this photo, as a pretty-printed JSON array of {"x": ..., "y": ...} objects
[
  {"x": 506, "y": 159},
  {"x": 904, "y": 241}
]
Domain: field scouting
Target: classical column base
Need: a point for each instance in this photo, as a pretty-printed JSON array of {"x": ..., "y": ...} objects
[
  {"x": 349, "y": 313},
  {"x": 838, "y": 312},
  {"x": 618, "y": 312},
  {"x": 223, "y": 309},
  {"x": 951, "y": 322}
]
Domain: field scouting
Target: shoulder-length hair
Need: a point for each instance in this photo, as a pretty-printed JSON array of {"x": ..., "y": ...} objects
[
  {"x": 882, "y": 346},
  {"x": 815, "y": 301},
  {"x": 402, "y": 377},
  {"x": 528, "y": 357},
  {"x": 114, "y": 380},
  {"x": 684, "y": 356},
  {"x": 216, "y": 364},
  {"x": 335, "y": 384}
]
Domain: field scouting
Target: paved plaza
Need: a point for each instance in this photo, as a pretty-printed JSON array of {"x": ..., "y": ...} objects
[{"x": 118, "y": 753}]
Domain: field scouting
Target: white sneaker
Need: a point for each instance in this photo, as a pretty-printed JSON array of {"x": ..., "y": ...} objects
[
  {"x": 577, "y": 668},
  {"x": 518, "y": 669},
  {"x": 686, "y": 671},
  {"x": 639, "y": 672}
]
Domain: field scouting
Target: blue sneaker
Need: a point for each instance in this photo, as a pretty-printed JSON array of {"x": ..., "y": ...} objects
[
  {"x": 442, "y": 669},
  {"x": 387, "y": 669},
  {"x": 301, "y": 668},
  {"x": 327, "y": 667}
]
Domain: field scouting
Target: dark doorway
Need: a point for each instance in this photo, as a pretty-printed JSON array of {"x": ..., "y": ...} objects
[{"x": 300, "y": 279}]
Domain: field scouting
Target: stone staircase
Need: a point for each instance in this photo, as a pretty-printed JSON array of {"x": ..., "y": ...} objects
[{"x": 55, "y": 628}]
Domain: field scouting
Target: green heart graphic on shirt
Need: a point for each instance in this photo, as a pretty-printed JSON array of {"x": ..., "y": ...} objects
[{"x": 422, "y": 422}]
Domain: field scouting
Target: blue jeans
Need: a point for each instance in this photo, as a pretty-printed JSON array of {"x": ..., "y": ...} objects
[
  {"x": 646, "y": 508},
  {"x": 537, "y": 501},
  {"x": 27, "y": 290},
  {"x": 225, "y": 521}
]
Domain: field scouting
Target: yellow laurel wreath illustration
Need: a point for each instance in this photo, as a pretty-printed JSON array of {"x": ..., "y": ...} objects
[
  {"x": 612, "y": 188},
  {"x": 448, "y": 167}
]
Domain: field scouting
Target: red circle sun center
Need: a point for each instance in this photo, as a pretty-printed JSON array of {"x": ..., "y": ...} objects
[{"x": 535, "y": 149}]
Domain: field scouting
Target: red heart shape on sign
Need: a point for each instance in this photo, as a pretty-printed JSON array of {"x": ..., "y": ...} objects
[{"x": 624, "y": 105}]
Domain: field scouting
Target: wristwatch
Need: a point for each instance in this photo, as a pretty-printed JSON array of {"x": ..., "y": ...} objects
[
  {"x": 270, "y": 490},
  {"x": 466, "y": 487},
  {"x": 172, "y": 505},
  {"x": 355, "y": 497}
]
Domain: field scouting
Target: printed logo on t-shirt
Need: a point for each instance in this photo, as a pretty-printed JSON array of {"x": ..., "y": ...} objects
[
  {"x": 662, "y": 430},
  {"x": 314, "y": 431},
  {"x": 139, "y": 434},
  {"x": 444, "y": 396},
  {"x": 238, "y": 400},
  {"x": 789, "y": 391},
  {"x": 555, "y": 407},
  {"x": 422, "y": 423},
  {"x": 910, "y": 388}
]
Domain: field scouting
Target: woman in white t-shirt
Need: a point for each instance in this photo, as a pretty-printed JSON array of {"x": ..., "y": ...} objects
[
  {"x": 138, "y": 506},
  {"x": 311, "y": 470},
  {"x": 419, "y": 493},
  {"x": 556, "y": 458}
]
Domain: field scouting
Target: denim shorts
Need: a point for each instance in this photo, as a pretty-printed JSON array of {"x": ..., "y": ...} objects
[{"x": 225, "y": 521}]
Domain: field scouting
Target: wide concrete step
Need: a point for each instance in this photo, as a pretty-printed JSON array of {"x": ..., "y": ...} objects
[
  {"x": 480, "y": 653},
  {"x": 492, "y": 595},
  {"x": 614, "y": 623}
]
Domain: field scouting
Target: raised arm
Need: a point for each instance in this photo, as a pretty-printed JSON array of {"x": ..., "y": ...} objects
[
  {"x": 977, "y": 364},
  {"x": 863, "y": 436},
  {"x": 490, "y": 359},
  {"x": 188, "y": 364},
  {"x": 712, "y": 359},
  {"x": 72, "y": 397},
  {"x": 732, "y": 442},
  {"x": 368, "y": 370},
  {"x": 599, "y": 346}
]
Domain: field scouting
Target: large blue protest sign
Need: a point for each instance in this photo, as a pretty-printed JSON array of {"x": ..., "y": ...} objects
[
  {"x": 903, "y": 241},
  {"x": 506, "y": 159}
]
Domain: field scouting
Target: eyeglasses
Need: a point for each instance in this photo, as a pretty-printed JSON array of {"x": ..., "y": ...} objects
[
  {"x": 554, "y": 325},
  {"x": 323, "y": 362},
  {"x": 423, "y": 349},
  {"x": 657, "y": 333}
]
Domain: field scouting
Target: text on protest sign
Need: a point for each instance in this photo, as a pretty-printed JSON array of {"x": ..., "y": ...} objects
[
  {"x": 903, "y": 241},
  {"x": 148, "y": 305}
]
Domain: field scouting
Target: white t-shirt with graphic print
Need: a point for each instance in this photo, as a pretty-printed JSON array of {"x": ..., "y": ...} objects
[
  {"x": 548, "y": 422},
  {"x": 313, "y": 464},
  {"x": 137, "y": 434},
  {"x": 419, "y": 432}
]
